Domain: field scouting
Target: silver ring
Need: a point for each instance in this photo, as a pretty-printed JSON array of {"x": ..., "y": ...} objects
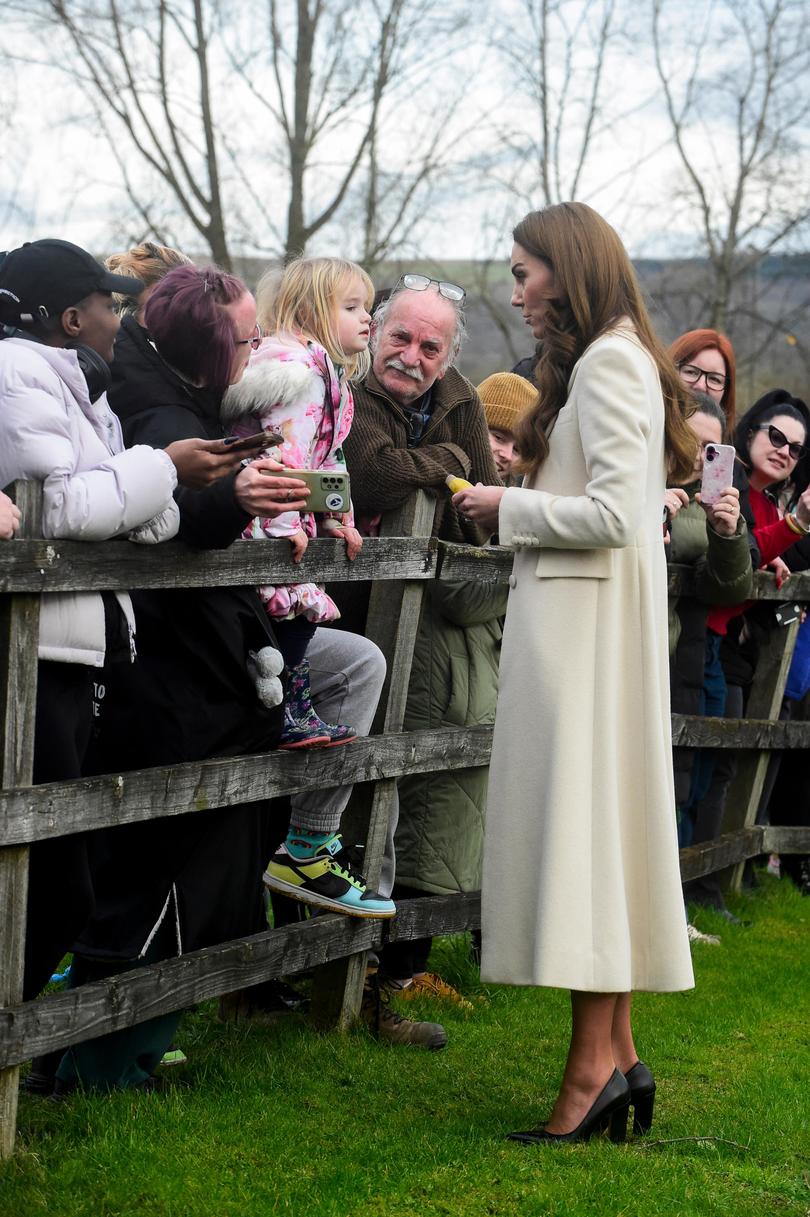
[{"x": 290, "y": 495}]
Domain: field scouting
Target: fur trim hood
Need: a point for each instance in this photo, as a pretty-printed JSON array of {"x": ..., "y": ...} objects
[{"x": 267, "y": 384}]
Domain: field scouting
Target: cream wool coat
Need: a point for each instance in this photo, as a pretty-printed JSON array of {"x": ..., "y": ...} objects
[{"x": 581, "y": 886}]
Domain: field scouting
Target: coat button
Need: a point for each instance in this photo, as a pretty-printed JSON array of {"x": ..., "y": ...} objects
[{"x": 513, "y": 580}]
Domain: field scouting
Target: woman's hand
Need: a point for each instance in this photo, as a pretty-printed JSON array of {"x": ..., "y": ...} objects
[
  {"x": 261, "y": 492},
  {"x": 199, "y": 462},
  {"x": 780, "y": 571},
  {"x": 802, "y": 509},
  {"x": 674, "y": 499},
  {"x": 9, "y": 517},
  {"x": 335, "y": 528},
  {"x": 480, "y": 504},
  {"x": 723, "y": 515},
  {"x": 299, "y": 542}
]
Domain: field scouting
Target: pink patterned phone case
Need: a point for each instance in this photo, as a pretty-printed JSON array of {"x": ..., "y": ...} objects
[{"x": 718, "y": 471}]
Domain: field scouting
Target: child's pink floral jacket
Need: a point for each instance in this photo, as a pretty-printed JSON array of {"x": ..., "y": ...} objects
[{"x": 293, "y": 388}]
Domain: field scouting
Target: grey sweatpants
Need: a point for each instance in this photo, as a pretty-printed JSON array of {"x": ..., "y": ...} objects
[{"x": 346, "y": 675}]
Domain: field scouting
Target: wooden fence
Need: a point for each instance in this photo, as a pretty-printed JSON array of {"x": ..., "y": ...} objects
[{"x": 399, "y": 562}]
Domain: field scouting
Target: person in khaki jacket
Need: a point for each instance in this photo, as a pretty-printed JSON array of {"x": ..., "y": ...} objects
[{"x": 581, "y": 886}]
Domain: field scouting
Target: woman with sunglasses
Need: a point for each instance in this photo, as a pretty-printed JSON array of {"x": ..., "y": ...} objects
[
  {"x": 771, "y": 442},
  {"x": 705, "y": 363}
]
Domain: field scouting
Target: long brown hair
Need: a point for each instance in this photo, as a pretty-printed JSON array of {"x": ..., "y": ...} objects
[
  {"x": 690, "y": 344},
  {"x": 595, "y": 285}
]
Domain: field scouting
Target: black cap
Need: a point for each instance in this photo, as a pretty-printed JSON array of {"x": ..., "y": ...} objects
[{"x": 43, "y": 278}]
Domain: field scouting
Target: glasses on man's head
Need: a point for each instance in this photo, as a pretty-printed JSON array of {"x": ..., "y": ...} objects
[
  {"x": 691, "y": 374},
  {"x": 779, "y": 440},
  {"x": 420, "y": 283},
  {"x": 254, "y": 340}
]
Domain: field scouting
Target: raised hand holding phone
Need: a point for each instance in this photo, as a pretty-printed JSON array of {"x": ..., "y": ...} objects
[{"x": 718, "y": 472}]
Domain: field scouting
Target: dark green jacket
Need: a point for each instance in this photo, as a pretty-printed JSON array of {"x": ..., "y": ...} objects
[{"x": 454, "y": 683}]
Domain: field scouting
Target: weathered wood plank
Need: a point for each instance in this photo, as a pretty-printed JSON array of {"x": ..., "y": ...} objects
[
  {"x": 493, "y": 564},
  {"x": 392, "y": 623},
  {"x": 19, "y": 636},
  {"x": 36, "y": 813},
  {"x": 764, "y": 702},
  {"x": 485, "y": 563},
  {"x": 58, "y": 808},
  {"x": 728, "y": 850},
  {"x": 696, "y": 732},
  {"x": 57, "y": 565},
  {"x": 108, "y": 1005},
  {"x": 786, "y": 839}
]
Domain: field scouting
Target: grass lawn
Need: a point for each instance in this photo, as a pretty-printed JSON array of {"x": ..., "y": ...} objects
[{"x": 280, "y": 1120}]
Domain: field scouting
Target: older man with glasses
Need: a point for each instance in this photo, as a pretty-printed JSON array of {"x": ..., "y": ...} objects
[{"x": 416, "y": 420}]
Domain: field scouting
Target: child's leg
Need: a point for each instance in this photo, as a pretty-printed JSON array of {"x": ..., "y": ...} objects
[
  {"x": 311, "y": 866},
  {"x": 293, "y": 637},
  {"x": 303, "y": 727}
]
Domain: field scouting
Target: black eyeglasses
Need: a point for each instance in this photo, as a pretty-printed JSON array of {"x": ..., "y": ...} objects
[
  {"x": 692, "y": 374},
  {"x": 420, "y": 283},
  {"x": 779, "y": 440},
  {"x": 254, "y": 341}
]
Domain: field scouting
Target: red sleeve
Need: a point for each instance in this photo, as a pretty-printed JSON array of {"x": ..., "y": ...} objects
[{"x": 774, "y": 539}]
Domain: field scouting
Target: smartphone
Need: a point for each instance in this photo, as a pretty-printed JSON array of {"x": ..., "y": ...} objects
[
  {"x": 253, "y": 443},
  {"x": 718, "y": 471},
  {"x": 328, "y": 489}
]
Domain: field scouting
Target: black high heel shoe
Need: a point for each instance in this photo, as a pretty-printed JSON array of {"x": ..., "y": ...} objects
[
  {"x": 609, "y": 1111},
  {"x": 642, "y": 1097}
]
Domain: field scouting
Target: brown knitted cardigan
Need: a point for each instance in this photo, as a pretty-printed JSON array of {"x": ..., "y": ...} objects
[{"x": 385, "y": 471}]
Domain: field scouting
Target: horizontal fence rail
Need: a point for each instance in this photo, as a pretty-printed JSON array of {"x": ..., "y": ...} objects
[
  {"x": 56, "y": 809},
  {"x": 335, "y": 946}
]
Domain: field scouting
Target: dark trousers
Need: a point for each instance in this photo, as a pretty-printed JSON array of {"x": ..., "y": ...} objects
[
  {"x": 293, "y": 638},
  {"x": 708, "y": 812},
  {"x": 401, "y": 960},
  {"x": 60, "y": 888},
  {"x": 128, "y": 1057}
]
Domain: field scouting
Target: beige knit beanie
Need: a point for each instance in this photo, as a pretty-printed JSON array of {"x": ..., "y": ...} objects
[{"x": 505, "y": 396}]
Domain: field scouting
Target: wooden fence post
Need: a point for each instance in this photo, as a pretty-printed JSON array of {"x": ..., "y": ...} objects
[
  {"x": 19, "y": 637},
  {"x": 392, "y": 622},
  {"x": 764, "y": 702}
]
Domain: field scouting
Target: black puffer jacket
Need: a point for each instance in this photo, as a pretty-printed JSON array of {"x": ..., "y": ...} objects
[{"x": 188, "y": 697}]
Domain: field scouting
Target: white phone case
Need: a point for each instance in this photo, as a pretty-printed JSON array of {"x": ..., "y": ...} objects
[{"x": 718, "y": 471}]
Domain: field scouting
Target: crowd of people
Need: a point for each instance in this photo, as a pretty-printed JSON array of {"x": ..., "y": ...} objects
[{"x": 157, "y": 399}]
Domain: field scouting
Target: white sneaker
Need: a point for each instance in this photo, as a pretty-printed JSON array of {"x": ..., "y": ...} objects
[{"x": 696, "y": 935}]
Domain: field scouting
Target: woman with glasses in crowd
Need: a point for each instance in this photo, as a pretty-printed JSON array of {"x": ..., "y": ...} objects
[
  {"x": 705, "y": 362},
  {"x": 771, "y": 443}
]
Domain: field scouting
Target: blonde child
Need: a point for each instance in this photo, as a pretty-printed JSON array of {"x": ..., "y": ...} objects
[{"x": 298, "y": 386}]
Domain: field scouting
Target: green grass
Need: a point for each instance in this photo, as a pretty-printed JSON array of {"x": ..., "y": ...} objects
[{"x": 280, "y": 1120}]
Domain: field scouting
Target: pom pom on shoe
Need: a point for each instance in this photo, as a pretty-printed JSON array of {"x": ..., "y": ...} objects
[{"x": 269, "y": 662}]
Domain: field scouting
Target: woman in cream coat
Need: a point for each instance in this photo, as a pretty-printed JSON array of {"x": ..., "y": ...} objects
[{"x": 581, "y": 881}]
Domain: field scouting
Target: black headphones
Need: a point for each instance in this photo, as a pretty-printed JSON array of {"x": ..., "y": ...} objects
[{"x": 96, "y": 371}]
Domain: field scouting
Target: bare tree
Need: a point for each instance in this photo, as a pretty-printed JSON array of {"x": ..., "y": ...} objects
[
  {"x": 145, "y": 71},
  {"x": 734, "y": 82},
  {"x": 336, "y": 67}
]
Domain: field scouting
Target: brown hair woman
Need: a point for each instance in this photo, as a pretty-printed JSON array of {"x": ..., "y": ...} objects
[{"x": 581, "y": 880}]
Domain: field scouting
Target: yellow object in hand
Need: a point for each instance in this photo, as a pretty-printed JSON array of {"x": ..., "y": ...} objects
[{"x": 455, "y": 484}]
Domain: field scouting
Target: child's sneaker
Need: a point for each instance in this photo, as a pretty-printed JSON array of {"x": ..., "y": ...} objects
[{"x": 323, "y": 879}]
